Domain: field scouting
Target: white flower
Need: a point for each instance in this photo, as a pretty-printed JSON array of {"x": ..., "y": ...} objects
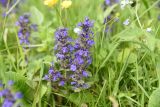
[
  {"x": 77, "y": 30},
  {"x": 126, "y": 22},
  {"x": 124, "y": 3},
  {"x": 149, "y": 29}
]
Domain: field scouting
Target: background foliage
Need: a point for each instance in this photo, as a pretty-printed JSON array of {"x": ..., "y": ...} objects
[{"x": 126, "y": 61}]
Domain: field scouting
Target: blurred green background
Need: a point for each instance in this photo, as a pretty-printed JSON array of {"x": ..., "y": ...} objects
[{"x": 126, "y": 61}]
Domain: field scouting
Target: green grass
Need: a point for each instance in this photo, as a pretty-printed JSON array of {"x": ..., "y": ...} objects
[{"x": 126, "y": 61}]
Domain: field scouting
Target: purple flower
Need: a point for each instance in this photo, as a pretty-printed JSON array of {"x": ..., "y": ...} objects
[
  {"x": 71, "y": 48},
  {"x": 90, "y": 42},
  {"x": 61, "y": 34},
  {"x": 64, "y": 48},
  {"x": 8, "y": 4},
  {"x": 1, "y": 94},
  {"x": 62, "y": 83},
  {"x": 10, "y": 82},
  {"x": 18, "y": 95},
  {"x": 5, "y": 92},
  {"x": 86, "y": 25},
  {"x": 84, "y": 73},
  {"x": 60, "y": 56},
  {"x": 80, "y": 60},
  {"x": 63, "y": 51},
  {"x": 73, "y": 83},
  {"x": 9, "y": 97},
  {"x": 46, "y": 77},
  {"x": 34, "y": 27},
  {"x": 51, "y": 70},
  {"x": 81, "y": 56},
  {"x": 4, "y": 2},
  {"x": 72, "y": 55},
  {"x": 54, "y": 76},
  {"x": 89, "y": 60},
  {"x": 108, "y": 2},
  {"x": 73, "y": 68},
  {"x": 7, "y": 103},
  {"x": 77, "y": 45},
  {"x": 25, "y": 28},
  {"x": 108, "y": 20},
  {"x": 85, "y": 86}
]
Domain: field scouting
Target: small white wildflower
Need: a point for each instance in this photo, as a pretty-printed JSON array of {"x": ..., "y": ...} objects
[
  {"x": 126, "y": 22},
  {"x": 124, "y": 3},
  {"x": 148, "y": 29},
  {"x": 77, "y": 30}
]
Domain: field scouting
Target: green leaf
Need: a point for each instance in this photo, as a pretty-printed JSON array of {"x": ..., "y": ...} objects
[
  {"x": 131, "y": 34},
  {"x": 109, "y": 10},
  {"x": 123, "y": 55},
  {"x": 150, "y": 42},
  {"x": 102, "y": 54},
  {"x": 80, "y": 98},
  {"x": 36, "y": 16},
  {"x": 43, "y": 90},
  {"x": 154, "y": 100},
  {"x": 19, "y": 85}
]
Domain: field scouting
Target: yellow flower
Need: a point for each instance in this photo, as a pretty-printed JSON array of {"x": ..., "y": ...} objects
[
  {"x": 66, "y": 4},
  {"x": 117, "y": 14},
  {"x": 50, "y": 2}
]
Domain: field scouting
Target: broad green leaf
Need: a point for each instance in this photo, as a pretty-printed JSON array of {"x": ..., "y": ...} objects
[
  {"x": 36, "y": 16},
  {"x": 80, "y": 98},
  {"x": 131, "y": 34},
  {"x": 154, "y": 100}
]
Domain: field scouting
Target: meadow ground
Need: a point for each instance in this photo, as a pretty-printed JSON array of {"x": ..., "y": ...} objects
[{"x": 79, "y": 53}]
